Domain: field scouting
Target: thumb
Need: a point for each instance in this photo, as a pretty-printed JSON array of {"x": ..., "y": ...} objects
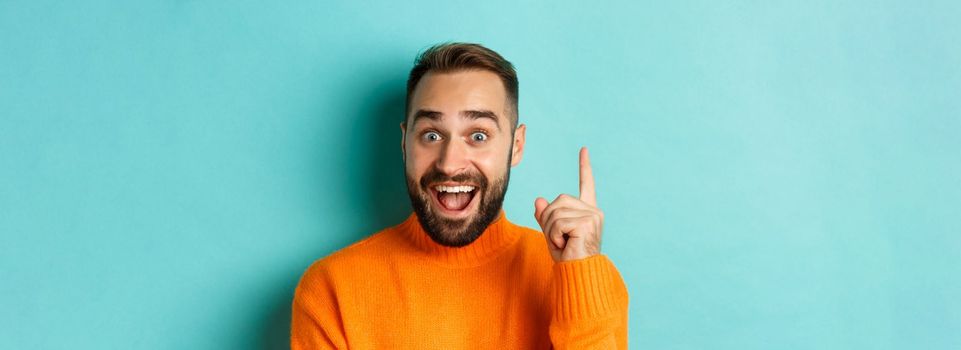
[{"x": 539, "y": 205}]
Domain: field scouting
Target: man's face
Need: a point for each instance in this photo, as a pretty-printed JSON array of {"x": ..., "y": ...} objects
[{"x": 458, "y": 148}]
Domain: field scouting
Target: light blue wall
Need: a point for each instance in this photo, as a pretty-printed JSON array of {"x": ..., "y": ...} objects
[{"x": 776, "y": 175}]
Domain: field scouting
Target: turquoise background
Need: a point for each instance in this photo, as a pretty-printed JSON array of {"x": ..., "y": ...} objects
[{"x": 776, "y": 175}]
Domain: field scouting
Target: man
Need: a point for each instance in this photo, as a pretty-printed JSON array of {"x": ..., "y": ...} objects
[{"x": 457, "y": 274}]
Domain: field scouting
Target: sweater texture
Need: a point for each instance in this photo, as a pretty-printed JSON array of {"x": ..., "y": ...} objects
[{"x": 398, "y": 289}]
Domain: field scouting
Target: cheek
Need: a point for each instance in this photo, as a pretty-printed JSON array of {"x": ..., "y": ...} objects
[
  {"x": 492, "y": 163},
  {"x": 418, "y": 160}
]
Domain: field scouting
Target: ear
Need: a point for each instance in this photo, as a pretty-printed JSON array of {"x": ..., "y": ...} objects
[
  {"x": 403, "y": 138},
  {"x": 517, "y": 151}
]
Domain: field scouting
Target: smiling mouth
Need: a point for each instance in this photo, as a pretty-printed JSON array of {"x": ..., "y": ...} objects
[{"x": 454, "y": 198}]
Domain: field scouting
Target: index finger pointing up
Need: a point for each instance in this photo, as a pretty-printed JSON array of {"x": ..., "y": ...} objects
[{"x": 587, "y": 179}]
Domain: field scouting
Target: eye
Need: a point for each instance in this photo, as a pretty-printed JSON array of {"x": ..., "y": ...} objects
[
  {"x": 478, "y": 137},
  {"x": 431, "y": 136}
]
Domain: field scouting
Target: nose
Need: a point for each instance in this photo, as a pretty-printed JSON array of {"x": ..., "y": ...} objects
[{"x": 454, "y": 158}]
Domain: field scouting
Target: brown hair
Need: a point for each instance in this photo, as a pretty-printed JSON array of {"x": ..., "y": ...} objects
[{"x": 454, "y": 56}]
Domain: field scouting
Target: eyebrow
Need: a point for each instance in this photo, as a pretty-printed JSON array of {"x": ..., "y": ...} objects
[
  {"x": 471, "y": 114},
  {"x": 475, "y": 114},
  {"x": 425, "y": 114}
]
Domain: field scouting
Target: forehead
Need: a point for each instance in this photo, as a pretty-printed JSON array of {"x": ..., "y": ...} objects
[{"x": 451, "y": 93}]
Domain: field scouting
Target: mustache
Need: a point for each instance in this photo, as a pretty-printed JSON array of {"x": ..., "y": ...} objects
[{"x": 434, "y": 176}]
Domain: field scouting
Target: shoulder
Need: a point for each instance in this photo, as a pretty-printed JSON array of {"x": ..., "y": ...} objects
[
  {"x": 348, "y": 261},
  {"x": 528, "y": 235},
  {"x": 531, "y": 241}
]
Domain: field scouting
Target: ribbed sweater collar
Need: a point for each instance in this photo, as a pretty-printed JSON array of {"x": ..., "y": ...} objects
[{"x": 497, "y": 237}]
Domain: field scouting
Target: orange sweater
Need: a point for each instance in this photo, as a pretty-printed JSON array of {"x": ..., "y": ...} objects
[{"x": 398, "y": 289}]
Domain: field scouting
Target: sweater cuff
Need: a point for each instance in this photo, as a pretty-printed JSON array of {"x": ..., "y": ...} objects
[{"x": 585, "y": 288}]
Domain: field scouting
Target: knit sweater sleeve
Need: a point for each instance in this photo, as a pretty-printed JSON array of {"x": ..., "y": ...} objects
[
  {"x": 315, "y": 322},
  {"x": 589, "y": 301}
]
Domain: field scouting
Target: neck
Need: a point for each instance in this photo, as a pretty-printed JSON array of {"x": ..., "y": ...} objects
[{"x": 495, "y": 238}]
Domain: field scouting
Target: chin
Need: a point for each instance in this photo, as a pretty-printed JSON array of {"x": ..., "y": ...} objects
[{"x": 455, "y": 211}]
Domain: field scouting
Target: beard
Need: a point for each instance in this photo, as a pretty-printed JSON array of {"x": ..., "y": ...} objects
[{"x": 457, "y": 232}]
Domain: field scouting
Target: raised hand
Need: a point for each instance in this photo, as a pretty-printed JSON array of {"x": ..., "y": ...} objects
[{"x": 571, "y": 224}]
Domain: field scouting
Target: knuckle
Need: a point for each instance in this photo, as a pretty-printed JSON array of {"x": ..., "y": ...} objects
[
  {"x": 587, "y": 226},
  {"x": 557, "y": 223},
  {"x": 549, "y": 217}
]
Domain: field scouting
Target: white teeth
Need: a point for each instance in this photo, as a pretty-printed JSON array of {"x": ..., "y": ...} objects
[{"x": 454, "y": 189}]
